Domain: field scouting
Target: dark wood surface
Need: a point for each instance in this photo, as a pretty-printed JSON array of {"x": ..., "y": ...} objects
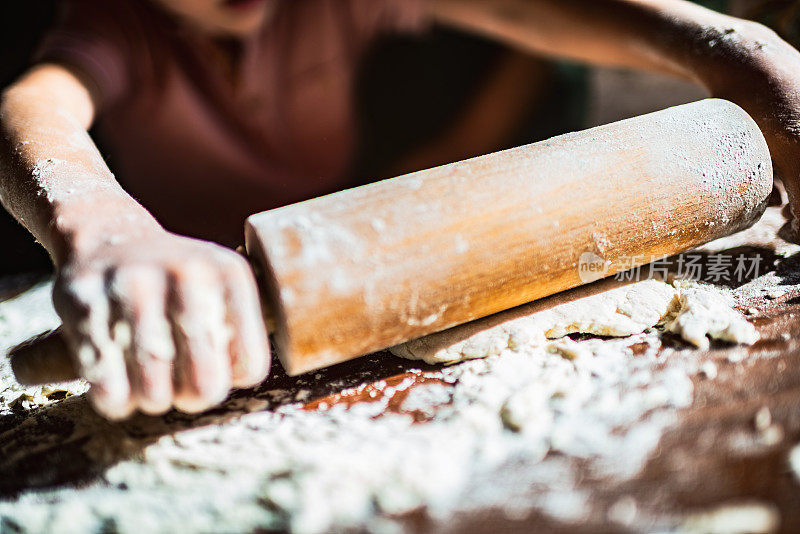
[{"x": 714, "y": 455}]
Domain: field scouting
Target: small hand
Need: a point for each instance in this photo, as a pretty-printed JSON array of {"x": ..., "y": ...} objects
[{"x": 162, "y": 321}]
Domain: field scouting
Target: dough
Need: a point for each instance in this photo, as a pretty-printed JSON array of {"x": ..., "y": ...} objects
[
  {"x": 607, "y": 308},
  {"x": 706, "y": 312}
]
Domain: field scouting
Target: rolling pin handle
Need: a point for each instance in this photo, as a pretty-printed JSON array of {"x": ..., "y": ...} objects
[{"x": 44, "y": 359}]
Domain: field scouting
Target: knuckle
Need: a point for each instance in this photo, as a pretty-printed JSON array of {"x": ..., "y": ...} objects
[
  {"x": 238, "y": 274},
  {"x": 138, "y": 292},
  {"x": 233, "y": 263},
  {"x": 193, "y": 270},
  {"x": 229, "y": 258},
  {"x": 130, "y": 278},
  {"x": 205, "y": 341},
  {"x": 197, "y": 301},
  {"x": 240, "y": 277}
]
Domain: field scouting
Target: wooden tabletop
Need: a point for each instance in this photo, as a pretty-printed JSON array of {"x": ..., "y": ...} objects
[{"x": 730, "y": 448}]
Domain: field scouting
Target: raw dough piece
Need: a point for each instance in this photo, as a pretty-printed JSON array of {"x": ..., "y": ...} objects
[
  {"x": 706, "y": 312},
  {"x": 607, "y": 308}
]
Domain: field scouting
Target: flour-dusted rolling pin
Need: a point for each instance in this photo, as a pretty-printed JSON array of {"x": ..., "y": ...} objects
[{"x": 367, "y": 268}]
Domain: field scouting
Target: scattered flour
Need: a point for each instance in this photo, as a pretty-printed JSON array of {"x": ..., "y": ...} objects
[
  {"x": 524, "y": 401},
  {"x": 313, "y": 471},
  {"x": 623, "y": 511},
  {"x": 709, "y": 370}
]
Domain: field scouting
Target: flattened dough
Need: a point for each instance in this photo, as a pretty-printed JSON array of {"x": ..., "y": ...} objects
[{"x": 606, "y": 308}]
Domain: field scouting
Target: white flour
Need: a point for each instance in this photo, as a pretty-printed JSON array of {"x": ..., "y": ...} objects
[{"x": 314, "y": 470}]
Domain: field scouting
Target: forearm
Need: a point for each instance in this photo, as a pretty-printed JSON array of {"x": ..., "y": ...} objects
[
  {"x": 152, "y": 319},
  {"x": 738, "y": 60},
  {"x": 669, "y": 36},
  {"x": 53, "y": 179}
]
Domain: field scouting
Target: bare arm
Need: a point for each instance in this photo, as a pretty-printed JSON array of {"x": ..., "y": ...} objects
[
  {"x": 659, "y": 35},
  {"x": 735, "y": 59},
  {"x": 154, "y": 319},
  {"x": 54, "y": 179}
]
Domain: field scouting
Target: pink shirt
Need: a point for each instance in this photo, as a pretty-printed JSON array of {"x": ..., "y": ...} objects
[{"x": 203, "y": 150}]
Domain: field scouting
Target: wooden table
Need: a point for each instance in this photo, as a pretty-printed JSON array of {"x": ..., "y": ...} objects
[{"x": 716, "y": 454}]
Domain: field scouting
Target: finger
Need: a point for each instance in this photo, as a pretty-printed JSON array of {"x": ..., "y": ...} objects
[
  {"x": 201, "y": 374},
  {"x": 84, "y": 307},
  {"x": 249, "y": 346},
  {"x": 138, "y": 299}
]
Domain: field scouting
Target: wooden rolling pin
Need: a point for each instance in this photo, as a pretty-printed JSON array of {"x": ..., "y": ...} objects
[{"x": 367, "y": 268}]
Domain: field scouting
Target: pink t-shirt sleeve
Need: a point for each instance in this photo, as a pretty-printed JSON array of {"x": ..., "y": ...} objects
[{"x": 99, "y": 39}]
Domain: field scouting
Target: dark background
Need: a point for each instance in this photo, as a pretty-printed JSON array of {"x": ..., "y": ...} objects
[
  {"x": 21, "y": 26},
  {"x": 410, "y": 90}
]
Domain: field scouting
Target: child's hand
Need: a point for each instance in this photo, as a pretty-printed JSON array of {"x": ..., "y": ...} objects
[{"x": 162, "y": 321}]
